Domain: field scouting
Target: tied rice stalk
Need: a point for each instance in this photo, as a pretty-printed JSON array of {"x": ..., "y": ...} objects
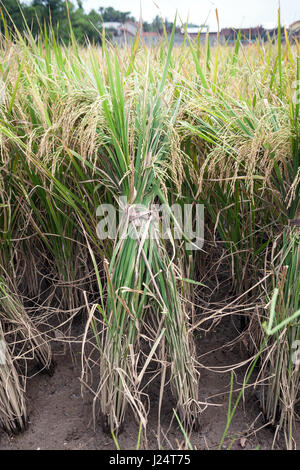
[{"x": 140, "y": 271}]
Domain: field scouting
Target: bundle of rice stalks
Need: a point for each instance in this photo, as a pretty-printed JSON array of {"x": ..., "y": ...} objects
[{"x": 140, "y": 275}]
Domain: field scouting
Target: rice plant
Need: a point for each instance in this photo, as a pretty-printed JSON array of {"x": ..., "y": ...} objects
[{"x": 280, "y": 368}]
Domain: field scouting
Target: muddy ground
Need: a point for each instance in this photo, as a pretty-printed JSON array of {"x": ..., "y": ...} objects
[{"x": 60, "y": 418}]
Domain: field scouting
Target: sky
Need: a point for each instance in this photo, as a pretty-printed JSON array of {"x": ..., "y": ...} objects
[{"x": 235, "y": 13}]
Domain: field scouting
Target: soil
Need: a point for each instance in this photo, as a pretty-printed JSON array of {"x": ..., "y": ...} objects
[{"x": 60, "y": 418}]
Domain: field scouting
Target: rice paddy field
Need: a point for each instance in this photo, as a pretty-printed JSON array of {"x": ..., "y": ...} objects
[{"x": 174, "y": 346}]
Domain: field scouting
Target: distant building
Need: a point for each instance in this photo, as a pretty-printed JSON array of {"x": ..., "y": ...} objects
[
  {"x": 294, "y": 30},
  {"x": 295, "y": 27},
  {"x": 202, "y": 33},
  {"x": 123, "y": 33},
  {"x": 194, "y": 30},
  {"x": 212, "y": 37},
  {"x": 118, "y": 29},
  {"x": 129, "y": 29},
  {"x": 273, "y": 34},
  {"x": 113, "y": 27},
  {"x": 248, "y": 35}
]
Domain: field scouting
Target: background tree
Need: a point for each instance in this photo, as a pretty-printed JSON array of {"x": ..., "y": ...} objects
[{"x": 109, "y": 14}]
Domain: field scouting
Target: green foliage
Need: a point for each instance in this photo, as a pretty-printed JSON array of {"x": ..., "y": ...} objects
[
  {"x": 57, "y": 14},
  {"x": 110, "y": 14}
]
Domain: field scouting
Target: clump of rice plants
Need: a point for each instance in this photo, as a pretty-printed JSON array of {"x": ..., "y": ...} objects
[
  {"x": 280, "y": 364},
  {"x": 21, "y": 341}
]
